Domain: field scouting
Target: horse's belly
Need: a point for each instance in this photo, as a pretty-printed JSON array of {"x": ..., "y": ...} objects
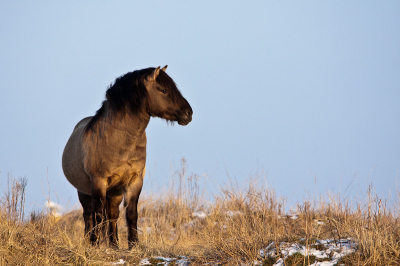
[
  {"x": 81, "y": 182},
  {"x": 119, "y": 183}
]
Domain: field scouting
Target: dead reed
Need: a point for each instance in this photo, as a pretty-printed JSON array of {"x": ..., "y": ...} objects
[{"x": 229, "y": 229}]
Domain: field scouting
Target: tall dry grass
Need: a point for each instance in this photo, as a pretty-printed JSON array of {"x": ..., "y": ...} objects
[{"x": 240, "y": 220}]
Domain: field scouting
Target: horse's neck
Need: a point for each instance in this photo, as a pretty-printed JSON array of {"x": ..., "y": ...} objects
[
  {"x": 133, "y": 126},
  {"x": 128, "y": 128}
]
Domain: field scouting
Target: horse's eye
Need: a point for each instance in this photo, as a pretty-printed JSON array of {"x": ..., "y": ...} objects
[{"x": 164, "y": 91}]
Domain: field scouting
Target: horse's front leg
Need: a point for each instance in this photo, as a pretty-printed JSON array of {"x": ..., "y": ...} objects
[
  {"x": 99, "y": 189},
  {"x": 112, "y": 216},
  {"x": 131, "y": 201}
]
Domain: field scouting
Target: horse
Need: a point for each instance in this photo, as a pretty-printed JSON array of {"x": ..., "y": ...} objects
[{"x": 105, "y": 156}]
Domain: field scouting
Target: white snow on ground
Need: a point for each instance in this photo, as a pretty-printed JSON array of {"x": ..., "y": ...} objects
[
  {"x": 146, "y": 229},
  {"x": 120, "y": 262},
  {"x": 319, "y": 222},
  {"x": 200, "y": 214},
  {"x": 180, "y": 261},
  {"x": 292, "y": 216},
  {"x": 203, "y": 215},
  {"x": 54, "y": 208},
  {"x": 332, "y": 251},
  {"x": 145, "y": 262},
  {"x": 329, "y": 250},
  {"x": 233, "y": 213}
]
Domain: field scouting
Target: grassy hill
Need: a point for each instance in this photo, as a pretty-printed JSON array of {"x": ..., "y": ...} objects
[{"x": 242, "y": 225}]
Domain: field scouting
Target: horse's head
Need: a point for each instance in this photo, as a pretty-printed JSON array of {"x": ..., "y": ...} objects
[{"x": 164, "y": 99}]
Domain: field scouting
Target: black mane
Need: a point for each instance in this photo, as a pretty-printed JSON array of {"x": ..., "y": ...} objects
[{"x": 128, "y": 94}]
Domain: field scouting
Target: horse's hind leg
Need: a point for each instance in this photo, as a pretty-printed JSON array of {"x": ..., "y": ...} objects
[
  {"x": 131, "y": 201},
  {"x": 86, "y": 201},
  {"x": 112, "y": 217},
  {"x": 99, "y": 203}
]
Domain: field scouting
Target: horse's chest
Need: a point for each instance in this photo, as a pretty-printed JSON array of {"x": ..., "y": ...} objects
[{"x": 118, "y": 159}]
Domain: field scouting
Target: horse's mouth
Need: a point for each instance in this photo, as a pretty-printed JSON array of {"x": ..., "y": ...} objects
[
  {"x": 184, "y": 121},
  {"x": 185, "y": 117}
]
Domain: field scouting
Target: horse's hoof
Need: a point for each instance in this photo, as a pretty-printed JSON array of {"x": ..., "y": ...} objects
[
  {"x": 132, "y": 244},
  {"x": 114, "y": 245},
  {"x": 94, "y": 240}
]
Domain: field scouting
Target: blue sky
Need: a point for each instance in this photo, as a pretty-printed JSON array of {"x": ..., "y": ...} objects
[{"x": 304, "y": 91}]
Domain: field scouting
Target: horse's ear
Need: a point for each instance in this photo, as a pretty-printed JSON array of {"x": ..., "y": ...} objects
[
  {"x": 164, "y": 68},
  {"x": 153, "y": 75}
]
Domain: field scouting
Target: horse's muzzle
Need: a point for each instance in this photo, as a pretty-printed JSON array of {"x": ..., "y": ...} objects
[{"x": 186, "y": 118}]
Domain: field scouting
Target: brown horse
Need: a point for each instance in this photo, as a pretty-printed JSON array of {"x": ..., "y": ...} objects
[{"x": 105, "y": 157}]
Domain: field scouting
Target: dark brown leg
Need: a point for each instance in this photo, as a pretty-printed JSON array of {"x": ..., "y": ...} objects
[
  {"x": 99, "y": 209},
  {"x": 112, "y": 217},
  {"x": 131, "y": 201},
  {"x": 86, "y": 201}
]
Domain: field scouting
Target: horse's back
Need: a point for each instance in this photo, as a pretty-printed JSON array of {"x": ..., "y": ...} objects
[
  {"x": 82, "y": 124},
  {"x": 72, "y": 159}
]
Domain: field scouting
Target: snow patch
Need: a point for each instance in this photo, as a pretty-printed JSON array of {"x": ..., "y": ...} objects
[
  {"x": 54, "y": 208},
  {"x": 120, "y": 262},
  {"x": 333, "y": 250},
  {"x": 200, "y": 215},
  {"x": 180, "y": 261},
  {"x": 233, "y": 213}
]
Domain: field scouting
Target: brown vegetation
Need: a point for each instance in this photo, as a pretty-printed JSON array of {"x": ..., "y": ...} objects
[{"x": 240, "y": 221}]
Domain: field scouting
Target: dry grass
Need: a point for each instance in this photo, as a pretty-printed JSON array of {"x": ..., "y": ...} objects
[{"x": 240, "y": 222}]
